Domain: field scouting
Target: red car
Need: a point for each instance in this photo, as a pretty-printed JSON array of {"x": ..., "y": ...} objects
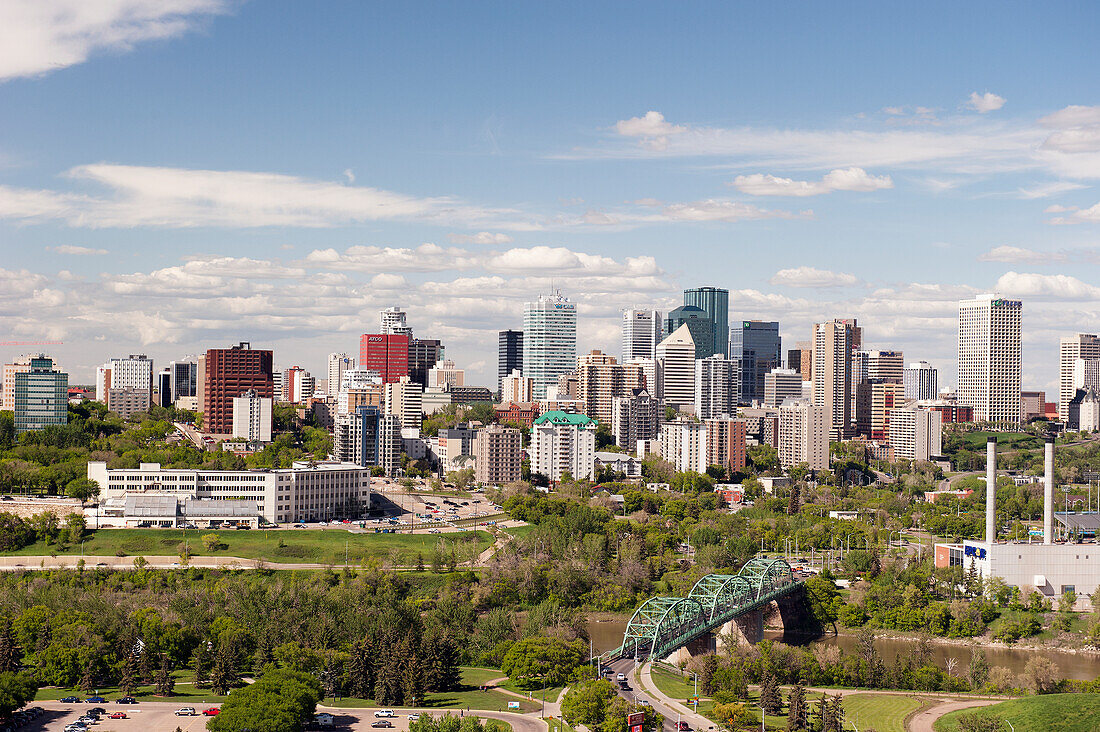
[
  {"x": 211, "y": 712},
  {"x": 117, "y": 715}
]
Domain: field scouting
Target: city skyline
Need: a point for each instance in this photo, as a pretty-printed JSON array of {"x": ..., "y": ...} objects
[{"x": 290, "y": 191}]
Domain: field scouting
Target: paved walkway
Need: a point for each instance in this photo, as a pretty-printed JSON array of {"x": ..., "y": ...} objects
[{"x": 923, "y": 721}]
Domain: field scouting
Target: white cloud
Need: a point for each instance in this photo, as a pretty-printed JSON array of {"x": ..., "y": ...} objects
[
  {"x": 715, "y": 209},
  {"x": 1018, "y": 255},
  {"x": 424, "y": 258},
  {"x": 652, "y": 128},
  {"x": 1042, "y": 286},
  {"x": 1090, "y": 215},
  {"x": 1058, "y": 208},
  {"x": 481, "y": 237},
  {"x": 812, "y": 277},
  {"x": 39, "y": 36},
  {"x": 77, "y": 251},
  {"x": 1046, "y": 190},
  {"x": 983, "y": 103},
  {"x": 847, "y": 179}
]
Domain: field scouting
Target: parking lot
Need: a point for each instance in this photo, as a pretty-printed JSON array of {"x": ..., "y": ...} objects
[
  {"x": 160, "y": 717},
  {"x": 146, "y": 716}
]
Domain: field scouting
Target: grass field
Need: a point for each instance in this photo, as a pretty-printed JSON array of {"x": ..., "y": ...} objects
[
  {"x": 975, "y": 441},
  {"x": 466, "y": 697},
  {"x": 672, "y": 684},
  {"x": 881, "y": 712},
  {"x": 1050, "y": 713},
  {"x": 314, "y": 546},
  {"x": 184, "y": 693}
]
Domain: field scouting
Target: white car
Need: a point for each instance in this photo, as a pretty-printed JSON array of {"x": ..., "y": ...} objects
[
  {"x": 620, "y": 677},
  {"x": 643, "y": 702},
  {"x": 186, "y": 712},
  {"x": 413, "y": 717},
  {"x": 385, "y": 713}
]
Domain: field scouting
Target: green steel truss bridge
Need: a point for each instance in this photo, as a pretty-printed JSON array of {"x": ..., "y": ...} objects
[{"x": 663, "y": 624}]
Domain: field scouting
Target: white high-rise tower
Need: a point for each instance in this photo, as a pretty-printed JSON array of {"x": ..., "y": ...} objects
[
  {"x": 392, "y": 322},
  {"x": 989, "y": 358},
  {"x": 549, "y": 340},
  {"x": 641, "y": 334},
  {"x": 1070, "y": 350}
]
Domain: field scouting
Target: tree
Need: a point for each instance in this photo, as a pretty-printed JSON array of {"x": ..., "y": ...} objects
[
  {"x": 1041, "y": 675},
  {"x": 90, "y": 677},
  {"x": 74, "y": 527},
  {"x": 794, "y": 503},
  {"x": 1069, "y": 599},
  {"x": 279, "y": 701},
  {"x": 16, "y": 689},
  {"x": 586, "y": 702},
  {"x": 224, "y": 676},
  {"x": 979, "y": 669},
  {"x": 200, "y": 663},
  {"x": 165, "y": 682},
  {"x": 798, "y": 715},
  {"x": 11, "y": 655},
  {"x": 82, "y": 489},
  {"x": 537, "y": 661},
  {"x": 211, "y": 541},
  {"x": 128, "y": 682},
  {"x": 734, "y": 716},
  {"x": 770, "y": 700}
]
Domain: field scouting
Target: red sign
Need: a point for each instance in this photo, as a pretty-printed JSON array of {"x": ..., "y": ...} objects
[
  {"x": 635, "y": 719},
  {"x": 635, "y": 728}
]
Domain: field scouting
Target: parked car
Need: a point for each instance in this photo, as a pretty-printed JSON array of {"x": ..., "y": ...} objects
[
  {"x": 127, "y": 700},
  {"x": 683, "y": 726},
  {"x": 76, "y": 727},
  {"x": 186, "y": 712},
  {"x": 211, "y": 711},
  {"x": 381, "y": 723},
  {"x": 117, "y": 715},
  {"x": 384, "y": 713},
  {"x": 620, "y": 677},
  {"x": 96, "y": 700},
  {"x": 88, "y": 719},
  {"x": 96, "y": 711},
  {"x": 413, "y": 717},
  {"x": 643, "y": 702},
  {"x": 70, "y": 700}
]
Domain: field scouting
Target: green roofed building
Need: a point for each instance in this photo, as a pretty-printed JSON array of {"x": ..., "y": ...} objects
[{"x": 563, "y": 443}]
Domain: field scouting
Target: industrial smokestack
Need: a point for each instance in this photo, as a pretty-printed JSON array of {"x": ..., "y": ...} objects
[
  {"x": 991, "y": 490},
  {"x": 1048, "y": 491}
]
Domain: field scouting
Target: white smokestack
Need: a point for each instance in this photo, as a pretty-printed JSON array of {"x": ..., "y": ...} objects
[
  {"x": 1048, "y": 491},
  {"x": 991, "y": 490}
]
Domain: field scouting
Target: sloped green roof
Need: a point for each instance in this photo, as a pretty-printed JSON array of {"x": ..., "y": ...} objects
[{"x": 559, "y": 417}]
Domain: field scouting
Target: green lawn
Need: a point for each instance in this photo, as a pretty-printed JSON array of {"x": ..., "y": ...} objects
[
  {"x": 519, "y": 531},
  {"x": 882, "y": 712},
  {"x": 672, "y": 684},
  {"x": 466, "y": 697},
  {"x": 537, "y": 695},
  {"x": 558, "y": 725},
  {"x": 975, "y": 441},
  {"x": 1051, "y": 713},
  {"x": 314, "y": 546},
  {"x": 184, "y": 692}
]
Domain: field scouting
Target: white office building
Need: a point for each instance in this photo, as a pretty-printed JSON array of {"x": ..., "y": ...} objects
[
  {"x": 133, "y": 374},
  {"x": 392, "y": 322},
  {"x": 1083, "y": 346},
  {"x": 916, "y": 433},
  {"x": 252, "y": 415},
  {"x": 563, "y": 442},
  {"x": 641, "y": 334},
  {"x": 516, "y": 388},
  {"x": 781, "y": 385},
  {"x": 676, "y": 370},
  {"x": 405, "y": 400},
  {"x": 338, "y": 363},
  {"x": 717, "y": 385},
  {"x": 989, "y": 358},
  {"x": 804, "y": 434},
  {"x": 684, "y": 444},
  {"x": 549, "y": 340},
  {"x": 303, "y": 492},
  {"x": 921, "y": 381}
]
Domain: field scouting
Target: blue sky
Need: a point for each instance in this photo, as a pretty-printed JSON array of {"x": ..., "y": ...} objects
[{"x": 182, "y": 174}]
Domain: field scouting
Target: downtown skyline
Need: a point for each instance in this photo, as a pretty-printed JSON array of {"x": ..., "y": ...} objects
[{"x": 200, "y": 173}]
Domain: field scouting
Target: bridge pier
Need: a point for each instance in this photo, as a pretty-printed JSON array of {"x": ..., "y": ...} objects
[
  {"x": 701, "y": 646},
  {"x": 746, "y": 629}
]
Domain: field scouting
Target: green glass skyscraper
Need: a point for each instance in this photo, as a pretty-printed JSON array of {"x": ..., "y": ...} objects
[
  {"x": 715, "y": 301},
  {"x": 41, "y": 396}
]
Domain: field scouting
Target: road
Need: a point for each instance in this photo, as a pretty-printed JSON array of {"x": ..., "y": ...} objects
[
  {"x": 923, "y": 721},
  {"x": 666, "y": 707}
]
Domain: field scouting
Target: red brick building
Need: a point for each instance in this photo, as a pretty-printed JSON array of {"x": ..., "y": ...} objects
[
  {"x": 386, "y": 354},
  {"x": 953, "y": 412},
  {"x": 523, "y": 413},
  {"x": 229, "y": 373}
]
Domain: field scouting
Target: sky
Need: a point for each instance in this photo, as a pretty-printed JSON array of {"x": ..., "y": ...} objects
[{"x": 177, "y": 175}]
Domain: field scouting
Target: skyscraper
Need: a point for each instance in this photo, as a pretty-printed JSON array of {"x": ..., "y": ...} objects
[
  {"x": 832, "y": 374},
  {"x": 676, "y": 369},
  {"x": 699, "y": 323},
  {"x": 989, "y": 357},
  {"x": 804, "y": 434},
  {"x": 1082, "y": 345},
  {"x": 716, "y": 386},
  {"x": 509, "y": 355},
  {"x": 600, "y": 379},
  {"x": 183, "y": 378},
  {"x": 715, "y": 301},
  {"x": 641, "y": 333},
  {"x": 338, "y": 363},
  {"x": 888, "y": 366},
  {"x": 392, "y": 322},
  {"x": 424, "y": 353},
  {"x": 549, "y": 340},
  {"x": 385, "y": 353},
  {"x": 40, "y": 396},
  {"x": 757, "y": 345},
  {"x": 229, "y": 373},
  {"x": 921, "y": 381}
]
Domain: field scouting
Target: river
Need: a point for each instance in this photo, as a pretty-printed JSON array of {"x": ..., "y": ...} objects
[{"x": 608, "y": 634}]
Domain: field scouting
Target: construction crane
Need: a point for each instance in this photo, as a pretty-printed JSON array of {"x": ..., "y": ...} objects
[{"x": 32, "y": 343}]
